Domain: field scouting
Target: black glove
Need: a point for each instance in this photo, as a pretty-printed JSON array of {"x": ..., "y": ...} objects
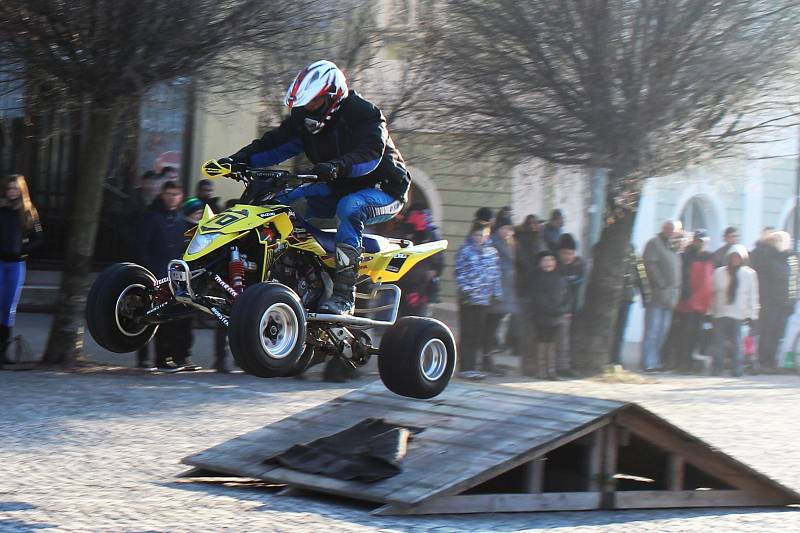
[
  {"x": 327, "y": 171},
  {"x": 237, "y": 165}
]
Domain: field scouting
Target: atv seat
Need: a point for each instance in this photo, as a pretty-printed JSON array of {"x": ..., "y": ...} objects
[
  {"x": 327, "y": 239},
  {"x": 372, "y": 243}
]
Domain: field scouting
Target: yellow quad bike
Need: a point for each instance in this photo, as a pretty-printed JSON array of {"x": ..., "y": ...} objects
[{"x": 260, "y": 269}]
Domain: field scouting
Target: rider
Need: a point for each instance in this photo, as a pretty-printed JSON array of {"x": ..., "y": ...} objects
[{"x": 363, "y": 179}]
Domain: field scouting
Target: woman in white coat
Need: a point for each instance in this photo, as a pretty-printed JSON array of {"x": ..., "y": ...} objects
[{"x": 735, "y": 303}]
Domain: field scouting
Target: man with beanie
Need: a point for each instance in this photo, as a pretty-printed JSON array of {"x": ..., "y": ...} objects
[{"x": 571, "y": 268}]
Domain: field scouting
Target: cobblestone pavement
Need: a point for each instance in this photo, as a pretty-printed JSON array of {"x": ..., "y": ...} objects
[{"x": 100, "y": 452}]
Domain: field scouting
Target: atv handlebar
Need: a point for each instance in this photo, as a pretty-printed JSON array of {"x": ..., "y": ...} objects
[
  {"x": 250, "y": 174},
  {"x": 241, "y": 172}
]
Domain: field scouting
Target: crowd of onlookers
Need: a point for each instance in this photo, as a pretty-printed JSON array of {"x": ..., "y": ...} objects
[
  {"x": 728, "y": 304},
  {"x": 518, "y": 288},
  {"x": 704, "y": 309}
]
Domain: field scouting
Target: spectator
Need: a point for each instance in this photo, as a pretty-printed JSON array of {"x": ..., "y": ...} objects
[
  {"x": 420, "y": 286},
  {"x": 762, "y": 250},
  {"x": 168, "y": 173},
  {"x": 735, "y": 303},
  {"x": 571, "y": 268},
  {"x": 477, "y": 273},
  {"x": 776, "y": 268},
  {"x": 550, "y": 301},
  {"x": 731, "y": 237},
  {"x": 631, "y": 281},
  {"x": 205, "y": 192},
  {"x": 192, "y": 210},
  {"x": 136, "y": 205},
  {"x": 160, "y": 239},
  {"x": 553, "y": 229},
  {"x": 485, "y": 215},
  {"x": 20, "y": 232},
  {"x": 697, "y": 292},
  {"x": 503, "y": 242},
  {"x": 528, "y": 237},
  {"x": 663, "y": 267}
]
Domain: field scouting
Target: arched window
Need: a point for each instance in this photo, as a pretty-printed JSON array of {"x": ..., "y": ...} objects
[
  {"x": 699, "y": 213},
  {"x": 694, "y": 215}
]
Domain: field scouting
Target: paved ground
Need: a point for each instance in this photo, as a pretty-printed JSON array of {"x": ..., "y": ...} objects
[{"x": 100, "y": 452}]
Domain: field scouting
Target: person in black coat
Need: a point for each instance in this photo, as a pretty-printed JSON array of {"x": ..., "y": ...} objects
[
  {"x": 549, "y": 298},
  {"x": 363, "y": 179},
  {"x": 161, "y": 239},
  {"x": 777, "y": 269},
  {"x": 20, "y": 232}
]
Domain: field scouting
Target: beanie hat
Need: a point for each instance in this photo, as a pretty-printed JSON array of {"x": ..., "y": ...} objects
[
  {"x": 545, "y": 253},
  {"x": 484, "y": 214},
  {"x": 192, "y": 205},
  {"x": 567, "y": 242}
]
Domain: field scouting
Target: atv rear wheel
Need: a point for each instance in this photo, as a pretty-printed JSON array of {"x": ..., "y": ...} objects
[
  {"x": 417, "y": 357},
  {"x": 115, "y": 306},
  {"x": 267, "y": 331}
]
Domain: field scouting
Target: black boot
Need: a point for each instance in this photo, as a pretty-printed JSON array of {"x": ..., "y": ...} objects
[
  {"x": 5, "y": 334},
  {"x": 343, "y": 299}
]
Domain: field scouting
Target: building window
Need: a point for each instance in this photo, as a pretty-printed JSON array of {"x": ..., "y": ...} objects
[{"x": 694, "y": 215}]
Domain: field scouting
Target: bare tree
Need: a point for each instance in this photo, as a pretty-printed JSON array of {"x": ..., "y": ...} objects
[
  {"x": 97, "y": 56},
  {"x": 639, "y": 87}
]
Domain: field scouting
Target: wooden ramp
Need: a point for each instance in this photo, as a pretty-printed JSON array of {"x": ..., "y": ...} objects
[{"x": 499, "y": 449}]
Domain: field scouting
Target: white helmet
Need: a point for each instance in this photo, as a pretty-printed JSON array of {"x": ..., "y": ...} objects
[{"x": 317, "y": 79}]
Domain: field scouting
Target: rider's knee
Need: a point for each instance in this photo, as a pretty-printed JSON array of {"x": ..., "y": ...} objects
[{"x": 349, "y": 208}]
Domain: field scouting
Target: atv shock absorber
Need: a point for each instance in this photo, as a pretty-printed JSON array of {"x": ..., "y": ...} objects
[{"x": 236, "y": 270}]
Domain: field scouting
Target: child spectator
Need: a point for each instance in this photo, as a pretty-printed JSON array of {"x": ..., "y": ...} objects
[
  {"x": 735, "y": 302},
  {"x": 571, "y": 268},
  {"x": 477, "y": 273},
  {"x": 549, "y": 297}
]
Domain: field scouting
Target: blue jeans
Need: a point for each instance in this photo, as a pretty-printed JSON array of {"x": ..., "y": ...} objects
[
  {"x": 727, "y": 343},
  {"x": 656, "y": 327},
  {"x": 12, "y": 275},
  {"x": 354, "y": 211}
]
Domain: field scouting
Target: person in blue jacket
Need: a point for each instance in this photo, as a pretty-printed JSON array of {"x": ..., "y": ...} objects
[{"x": 363, "y": 178}]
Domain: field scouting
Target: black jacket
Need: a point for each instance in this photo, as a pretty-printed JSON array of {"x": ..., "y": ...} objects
[
  {"x": 15, "y": 242},
  {"x": 356, "y": 139},
  {"x": 160, "y": 237},
  {"x": 549, "y": 297},
  {"x": 774, "y": 278}
]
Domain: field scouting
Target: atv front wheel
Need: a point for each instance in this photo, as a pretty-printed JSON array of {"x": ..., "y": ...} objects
[
  {"x": 267, "y": 331},
  {"x": 417, "y": 357},
  {"x": 116, "y": 305}
]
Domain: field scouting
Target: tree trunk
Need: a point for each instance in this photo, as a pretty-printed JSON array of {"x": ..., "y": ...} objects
[
  {"x": 593, "y": 330},
  {"x": 65, "y": 344}
]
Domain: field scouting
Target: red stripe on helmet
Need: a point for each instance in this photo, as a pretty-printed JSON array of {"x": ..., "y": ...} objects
[{"x": 297, "y": 83}]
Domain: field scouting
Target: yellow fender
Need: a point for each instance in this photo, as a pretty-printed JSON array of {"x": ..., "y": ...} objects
[{"x": 391, "y": 265}]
